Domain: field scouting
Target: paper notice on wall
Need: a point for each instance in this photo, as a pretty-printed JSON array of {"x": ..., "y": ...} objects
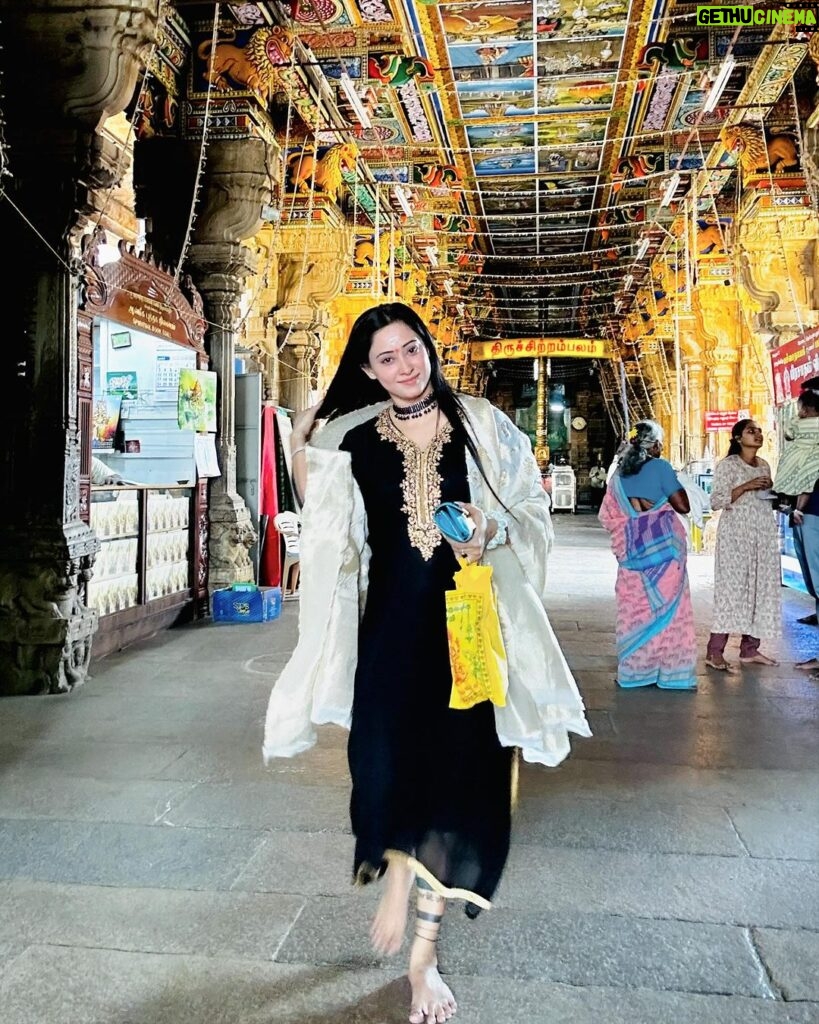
[{"x": 204, "y": 448}]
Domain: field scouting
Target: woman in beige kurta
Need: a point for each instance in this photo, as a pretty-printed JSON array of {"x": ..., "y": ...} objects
[{"x": 746, "y": 568}]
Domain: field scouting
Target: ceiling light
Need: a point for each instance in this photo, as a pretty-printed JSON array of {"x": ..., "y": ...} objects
[
  {"x": 432, "y": 256},
  {"x": 643, "y": 247},
  {"x": 347, "y": 87},
  {"x": 628, "y": 281},
  {"x": 718, "y": 84},
  {"x": 673, "y": 185},
  {"x": 403, "y": 202},
  {"x": 460, "y": 309},
  {"x": 448, "y": 287},
  {"x": 535, "y": 369}
]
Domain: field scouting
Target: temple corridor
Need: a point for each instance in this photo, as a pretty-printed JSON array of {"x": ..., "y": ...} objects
[{"x": 153, "y": 871}]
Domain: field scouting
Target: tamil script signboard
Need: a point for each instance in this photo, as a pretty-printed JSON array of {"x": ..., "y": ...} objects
[
  {"x": 721, "y": 420},
  {"x": 792, "y": 363},
  {"x": 533, "y": 348}
]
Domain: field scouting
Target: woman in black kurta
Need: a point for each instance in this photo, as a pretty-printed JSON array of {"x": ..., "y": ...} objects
[
  {"x": 431, "y": 786},
  {"x": 428, "y": 781}
]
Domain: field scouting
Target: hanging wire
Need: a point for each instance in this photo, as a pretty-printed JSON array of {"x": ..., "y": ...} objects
[
  {"x": 306, "y": 246},
  {"x": 200, "y": 166},
  {"x": 275, "y": 235}
]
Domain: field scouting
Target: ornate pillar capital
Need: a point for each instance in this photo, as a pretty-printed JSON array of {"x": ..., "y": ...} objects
[
  {"x": 779, "y": 248},
  {"x": 81, "y": 65},
  {"x": 220, "y": 271},
  {"x": 237, "y": 186},
  {"x": 312, "y": 271}
]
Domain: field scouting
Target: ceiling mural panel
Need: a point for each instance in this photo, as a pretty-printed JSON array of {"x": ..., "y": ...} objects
[
  {"x": 569, "y": 94},
  {"x": 486, "y": 63},
  {"x": 489, "y": 23},
  {"x": 534, "y": 155},
  {"x": 499, "y": 98}
]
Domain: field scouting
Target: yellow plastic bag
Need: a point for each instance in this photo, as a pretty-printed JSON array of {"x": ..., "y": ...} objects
[{"x": 477, "y": 656}]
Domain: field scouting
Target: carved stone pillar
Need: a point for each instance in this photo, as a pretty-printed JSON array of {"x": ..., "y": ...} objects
[
  {"x": 716, "y": 312},
  {"x": 311, "y": 273},
  {"x": 298, "y": 352},
  {"x": 695, "y": 409},
  {"x": 219, "y": 270},
  {"x": 343, "y": 313},
  {"x": 694, "y": 396},
  {"x": 87, "y": 62},
  {"x": 236, "y": 187},
  {"x": 260, "y": 339},
  {"x": 674, "y": 443}
]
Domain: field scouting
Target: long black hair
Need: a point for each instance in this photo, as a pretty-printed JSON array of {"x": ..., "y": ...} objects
[
  {"x": 735, "y": 447},
  {"x": 352, "y": 389}
]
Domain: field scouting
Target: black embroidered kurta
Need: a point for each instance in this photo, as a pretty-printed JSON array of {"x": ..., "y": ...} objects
[{"x": 428, "y": 781}]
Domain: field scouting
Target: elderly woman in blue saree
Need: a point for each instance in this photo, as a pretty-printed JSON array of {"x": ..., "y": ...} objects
[{"x": 656, "y": 642}]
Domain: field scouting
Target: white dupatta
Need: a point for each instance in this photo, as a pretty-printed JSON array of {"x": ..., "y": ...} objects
[{"x": 316, "y": 686}]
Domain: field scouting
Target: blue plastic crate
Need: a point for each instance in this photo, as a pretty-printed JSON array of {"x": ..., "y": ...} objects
[{"x": 245, "y": 602}]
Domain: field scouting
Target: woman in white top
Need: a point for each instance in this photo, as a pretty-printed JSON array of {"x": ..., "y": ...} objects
[{"x": 747, "y": 563}]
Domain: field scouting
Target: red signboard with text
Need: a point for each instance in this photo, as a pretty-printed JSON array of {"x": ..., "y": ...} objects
[
  {"x": 792, "y": 363},
  {"x": 722, "y": 420}
]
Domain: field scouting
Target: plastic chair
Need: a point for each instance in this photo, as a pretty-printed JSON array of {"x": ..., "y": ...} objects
[{"x": 288, "y": 525}]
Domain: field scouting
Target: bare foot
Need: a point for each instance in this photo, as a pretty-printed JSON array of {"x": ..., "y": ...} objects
[
  {"x": 432, "y": 999},
  {"x": 390, "y": 922},
  {"x": 759, "y": 659},
  {"x": 720, "y": 664}
]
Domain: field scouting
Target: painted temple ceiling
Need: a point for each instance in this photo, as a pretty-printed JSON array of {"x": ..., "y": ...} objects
[{"x": 532, "y": 155}]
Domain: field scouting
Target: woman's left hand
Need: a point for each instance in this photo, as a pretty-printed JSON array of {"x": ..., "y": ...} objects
[{"x": 473, "y": 549}]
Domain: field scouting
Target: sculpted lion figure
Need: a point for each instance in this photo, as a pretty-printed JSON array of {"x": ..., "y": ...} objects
[
  {"x": 252, "y": 66},
  {"x": 325, "y": 172},
  {"x": 229, "y": 549},
  {"x": 756, "y": 153}
]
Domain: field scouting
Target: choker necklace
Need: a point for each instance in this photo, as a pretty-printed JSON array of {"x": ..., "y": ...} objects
[{"x": 413, "y": 412}]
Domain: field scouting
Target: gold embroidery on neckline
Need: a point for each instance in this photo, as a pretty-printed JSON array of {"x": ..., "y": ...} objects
[{"x": 421, "y": 485}]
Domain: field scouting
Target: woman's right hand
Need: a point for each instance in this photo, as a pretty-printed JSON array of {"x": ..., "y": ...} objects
[
  {"x": 759, "y": 483},
  {"x": 304, "y": 423}
]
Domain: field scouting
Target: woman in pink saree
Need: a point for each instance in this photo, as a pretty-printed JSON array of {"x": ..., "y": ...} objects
[{"x": 656, "y": 642}]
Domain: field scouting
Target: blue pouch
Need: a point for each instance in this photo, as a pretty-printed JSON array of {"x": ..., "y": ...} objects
[{"x": 453, "y": 522}]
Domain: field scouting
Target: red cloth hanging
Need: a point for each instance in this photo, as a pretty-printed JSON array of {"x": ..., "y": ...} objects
[{"x": 270, "y": 556}]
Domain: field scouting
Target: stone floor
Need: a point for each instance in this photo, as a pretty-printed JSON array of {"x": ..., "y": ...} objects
[{"x": 153, "y": 871}]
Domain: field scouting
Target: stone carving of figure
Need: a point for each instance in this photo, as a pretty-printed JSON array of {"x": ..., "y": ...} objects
[{"x": 808, "y": 269}]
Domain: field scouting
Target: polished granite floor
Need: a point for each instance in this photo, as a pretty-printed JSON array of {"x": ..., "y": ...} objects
[{"x": 153, "y": 871}]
